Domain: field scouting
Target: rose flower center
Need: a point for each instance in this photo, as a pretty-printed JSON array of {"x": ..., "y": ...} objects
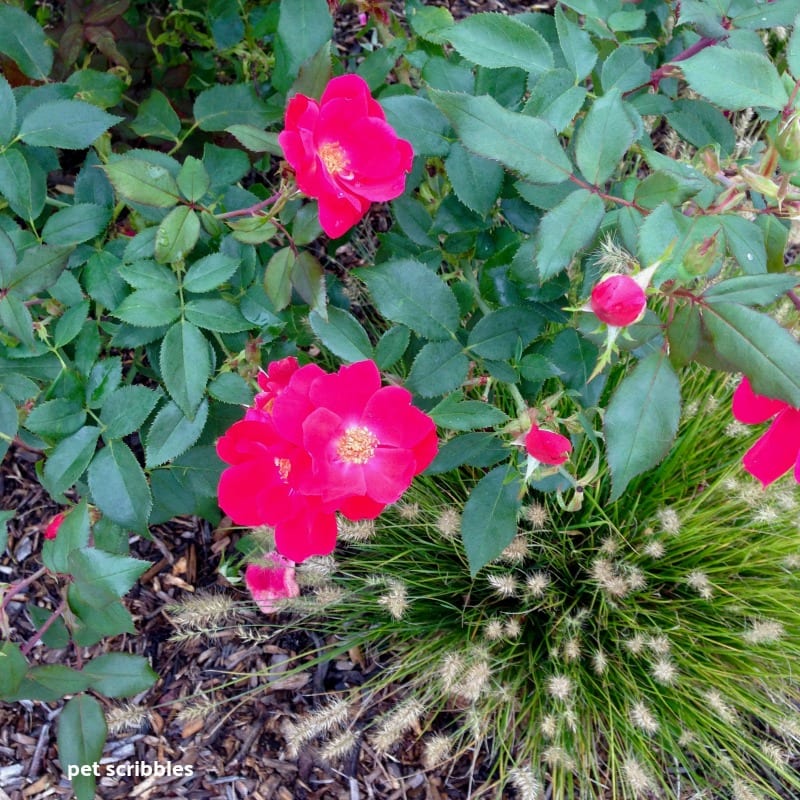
[
  {"x": 333, "y": 157},
  {"x": 284, "y": 468},
  {"x": 357, "y": 446}
]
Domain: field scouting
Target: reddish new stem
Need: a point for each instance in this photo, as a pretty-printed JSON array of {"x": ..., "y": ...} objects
[
  {"x": 250, "y": 210},
  {"x": 15, "y": 588},
  {"x": 28, "y": 646}
]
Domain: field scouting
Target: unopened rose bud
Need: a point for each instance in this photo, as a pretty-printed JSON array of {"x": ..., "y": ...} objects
[
  {"x": 618, "y": 300},
  {"x": 547, "y": 447},
  {"x": 51, "y": 531},
  {"x": 700, "y": 257},
  {"x": 788, "y": 140},
  {"x": 272, "y": 581}
]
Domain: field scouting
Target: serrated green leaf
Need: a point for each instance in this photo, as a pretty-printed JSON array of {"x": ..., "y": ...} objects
[
  {"x": 576, "y": 45},
  {"x": 475, "y": 180},
  {"x": 139, "y": 181},
  {"x": 25, "y": 43},
  {"x": 521, "y": 143},
  {"x": 56, "y": 636},
  {"x": 144, "y": 273},
  {"x": 745, "y": 241},
  {"x": 683, "y": 333},
  {"x": 657, "y": 188},
  {"x": 94, "y": 621},
  {"x": 419, "y": 121},
  {"x": 119, "y": 674},
  {"x": 177, "y": 235},
  {"x": 23, "y": 183},
  {"x": 555, "y": 99},
  {"x": 625, "y": 69},
  {"x": 342, "y": 334},
  {"x": 391, "y": 346},
  {"x": 69, "y": 459},
  {"x": 8, "y": 112},
  {"x": 758, "y": 346},
  {"x": 407, "y": 292},
  {"x": 216, "y": 314},
  {"x": 497, "y": 40},
  {"x": 229, "y": 387},
  {"x": 308, "y": 280},
  {"x": 48, "y": 683},
  {"x": 473, "y": 449},
  {"x": 13, "y": 666},
  {"x": 68, "y": 124},
  {"x": 303, "y": 28},
  {"x": 278, "y": 278},
  {"x": 126, "y": 409},
  {"x": 252, "y": 230},
  {"x": 466, "y": 415},
  {"x": 735, "y": 79},
  {"x": 76, "y": 224},
  {"x": 157, "y": 118},
  {"x": 38, "y": 270},
  {"x": 489, "y": 520},
  {"x": 70, "y": 323},
  {"x": 256, "y": 140},
  {"x": 73, "y": 534},
  {"x": 751, "y": 290},
  {"x": 793, "y": 48},
  {"x": 498, "y": 335},
  {"x": 210, "y": 272},
  {"x": 641, "y": 420},
  {"x": 82, "y": 733},
  {"x": 438, "y": 368},
  {"x": 604, "y": 138},
  {"x": 104, "y": 577},
  {"x": 119, "y": 488},
  {"x": 103, "y": 89},
  {"x": 185, "y": 365},
  {"x": 192, "y": 179},
  {"x": 570, "y": 226},
  {"x": 149, "y": 308},
  {"x": 16, "y": 319},
  {"x": 223, "y": 105},
  {"x": 172, "y": 434}
]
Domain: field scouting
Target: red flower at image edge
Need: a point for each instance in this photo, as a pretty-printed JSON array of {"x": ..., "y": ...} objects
[
  {"x": 778, "y": 449},
  {"x": 322, "y": 443},
  {"x": 547, "y": 447},
  {"x": 51, "y": 531},
  {"x": 343, "y": 152},
  {"x": 272, "y": 581},
  {"x": 618, "y": 300}
]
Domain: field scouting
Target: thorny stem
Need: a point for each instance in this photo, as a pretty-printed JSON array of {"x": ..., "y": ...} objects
[
  {"x": 28, "y": 646},
  {"x": 788, "y": 109},
  {"x": 610, "y": 197},
  {"x": 250, "y": 211},
  {"x": 15, "y": 588}
]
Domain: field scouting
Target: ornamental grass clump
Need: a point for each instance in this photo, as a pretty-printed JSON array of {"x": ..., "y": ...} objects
[{"x": 645, "y": 647}]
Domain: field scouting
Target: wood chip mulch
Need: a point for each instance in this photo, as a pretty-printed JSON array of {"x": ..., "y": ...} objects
[{"x": 237, "y": 747}]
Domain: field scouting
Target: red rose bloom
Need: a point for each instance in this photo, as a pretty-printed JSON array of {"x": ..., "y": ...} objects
[
  {"x": 319, "y": 443},
  {"x": 273, "y": 382},
  {"x": 547, "y": 447},
  {"x": 343, "y": 152},
  {"x": 618, "y": 300},
  {"x": 274, "y": 580},
  {"x": 778, "y": 449},
  {"x": 51, "y": 531},
  {"x": 366, "y": 442}
]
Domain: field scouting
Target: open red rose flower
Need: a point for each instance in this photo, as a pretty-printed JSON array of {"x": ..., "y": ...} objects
[
  {"x": 317, "y": 443},
  {"x": 547, "y": 447},
  {"x": 778, "y": 450},
  {"x": 343, "y": 152},
  {"x": 618, "y": 300}
]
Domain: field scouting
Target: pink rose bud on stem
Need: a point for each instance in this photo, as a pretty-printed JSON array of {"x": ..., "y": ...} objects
[{"x": 545, "y": 448}]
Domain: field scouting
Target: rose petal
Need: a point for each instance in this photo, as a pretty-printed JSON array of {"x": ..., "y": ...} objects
[
  {"x": 777, "y": 450},
  {"x": 752, "y": 408}
]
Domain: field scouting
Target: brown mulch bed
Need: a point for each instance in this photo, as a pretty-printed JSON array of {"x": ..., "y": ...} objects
[{"x": 238, "y": 749}]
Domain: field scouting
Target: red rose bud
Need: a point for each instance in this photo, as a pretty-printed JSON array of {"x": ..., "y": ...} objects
[
  {"x": 344, "y": 153},
  {"x": 547, "y": 447},
  {"x": 618, "y": 300},
  {"x": 51, "y": 531}
]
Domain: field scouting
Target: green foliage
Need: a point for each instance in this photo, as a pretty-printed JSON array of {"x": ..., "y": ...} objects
[{"x": 155, "y": 253}]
